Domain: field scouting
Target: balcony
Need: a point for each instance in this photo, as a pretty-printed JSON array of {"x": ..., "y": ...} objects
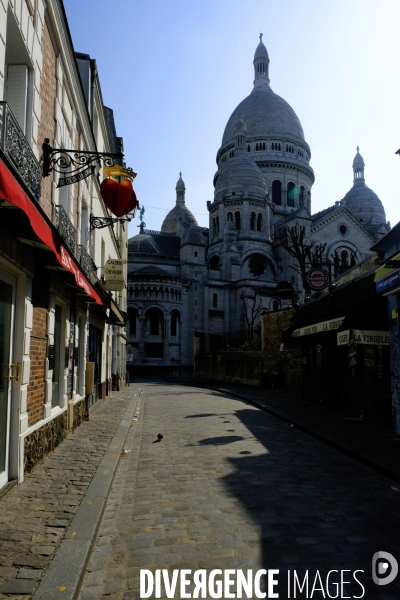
[
  {"x": 18, "y": 152},
  {"x": 86, "y": 261},
  {"x": 65, "y": 227}
]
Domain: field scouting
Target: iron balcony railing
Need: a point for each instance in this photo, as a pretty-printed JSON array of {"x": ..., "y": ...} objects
[
  {"x": 86, "y": 261},
  {"x": 65, "y": 227},
  {"x": 17, "y": 150}
]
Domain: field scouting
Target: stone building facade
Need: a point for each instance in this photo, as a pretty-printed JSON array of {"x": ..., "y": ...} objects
[{"x": 227, "y": 274}]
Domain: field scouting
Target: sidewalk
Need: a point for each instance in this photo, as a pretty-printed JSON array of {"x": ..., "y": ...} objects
[
  {"x": 36, "y": 515},
  {"x": 368, "y": 442}
]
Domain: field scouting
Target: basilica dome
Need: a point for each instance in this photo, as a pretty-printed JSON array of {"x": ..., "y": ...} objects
[
  {"x": 180, "y": 214},
  {"x": 361, "y": 201},
  {"x": 265, "y": 113},
  {"x": 240, "y": 175}
]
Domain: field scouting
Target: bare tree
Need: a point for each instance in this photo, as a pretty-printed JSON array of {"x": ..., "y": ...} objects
[
  {"x": 253, "y": 308},
  {"x": 306, "y": 252}
]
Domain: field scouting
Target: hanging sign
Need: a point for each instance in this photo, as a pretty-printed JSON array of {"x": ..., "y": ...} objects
[
  {"x": 114, "y": 275},
  {"x": 317, "y": 278},
  {"x": 75, "y": 178},
  {"x": 284, "y": 290}
]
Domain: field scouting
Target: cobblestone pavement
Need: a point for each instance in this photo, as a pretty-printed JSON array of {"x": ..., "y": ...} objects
[
  {"x": 35, "y": 515},
  {"x": 232, "y": 487}
]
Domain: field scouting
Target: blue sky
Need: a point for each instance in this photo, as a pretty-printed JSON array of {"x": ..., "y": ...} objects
[{"x": 174, "y": 70}]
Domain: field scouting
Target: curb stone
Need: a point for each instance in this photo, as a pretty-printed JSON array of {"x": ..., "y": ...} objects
[{"x": 64, "y": 575}]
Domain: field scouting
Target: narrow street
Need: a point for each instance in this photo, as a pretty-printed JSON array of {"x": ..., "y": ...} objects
[{"x": 231, "y": 487}]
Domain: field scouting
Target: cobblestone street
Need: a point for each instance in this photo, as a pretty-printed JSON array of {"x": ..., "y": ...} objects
[{"x": 231, "y": 487}]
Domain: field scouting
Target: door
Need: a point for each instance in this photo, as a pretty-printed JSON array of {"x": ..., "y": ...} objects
[
  {"x": 8, "y": 370},
  {"x": 95, "y": 356}
]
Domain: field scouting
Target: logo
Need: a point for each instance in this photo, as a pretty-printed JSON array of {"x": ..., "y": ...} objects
[
  {"x": 385, "y": 564},
  {"x": 317, "y": 278}
]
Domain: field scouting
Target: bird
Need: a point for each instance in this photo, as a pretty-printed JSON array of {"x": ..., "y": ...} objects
[{"x": 160, "y": 437}]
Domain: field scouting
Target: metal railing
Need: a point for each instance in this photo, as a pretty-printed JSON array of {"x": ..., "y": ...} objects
[
  {"x": 65, "y": 227},
  {"x": 86, "y": 260},
  {"x": 17, "y": 150}
]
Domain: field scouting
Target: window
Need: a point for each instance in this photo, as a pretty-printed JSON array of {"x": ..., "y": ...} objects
[
  {"x": 217, "y": 224},
  {"x": 229, "y": 216},
  {"x": 237, "y": 220},
  {"x": 259, "y": 221},
  {"x": 154, "y": 317},
  {"x": 257, "y": 265},
  {"x": 343, "y": 229},
  {"x": 275, "y": 146},
  {"x": 248, "y": 147},
  {"x": 215, "y": 300},
  {"x": 252, "y": 221},
  {"x": 275, "y": 305},
  {"x": 277, "y": 192},
  {"x": 213, "y": 263},
  {"x": 174, "y": 323},
  {"x": 132, "y": 312},
  {"x": 195, "y": 253},
  {"x": 290, "y": 194},
  {"x": 301, "y": 196}
]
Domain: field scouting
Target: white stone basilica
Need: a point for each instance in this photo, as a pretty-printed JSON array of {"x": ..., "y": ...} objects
[{"x": 187, "y": 279}]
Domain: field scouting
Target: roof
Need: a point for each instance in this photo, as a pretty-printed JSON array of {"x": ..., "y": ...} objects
[
  {"x": 150, "y": 270},
  {"x": 155, "y": 243},
  {"x": 266, "y": 115}
]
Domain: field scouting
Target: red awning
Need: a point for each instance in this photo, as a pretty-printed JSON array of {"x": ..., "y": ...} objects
[{"x": 11, "y": 191}]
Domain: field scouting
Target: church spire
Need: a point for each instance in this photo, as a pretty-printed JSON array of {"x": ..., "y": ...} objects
[
  {"x": 358, "y": 167},
  {"x": 261, "y": 65}
]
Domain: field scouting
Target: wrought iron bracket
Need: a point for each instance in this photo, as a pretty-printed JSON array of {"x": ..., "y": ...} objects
[
  {"x": 74, "y": 165},
  {"x": 101, "y": 222}
]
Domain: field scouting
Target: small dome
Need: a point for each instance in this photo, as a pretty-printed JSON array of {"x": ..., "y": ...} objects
[
  {"x": 240, "y": 174},
  {"x": 358, "y": 160},
  {"x": 261, "y": 52},
  {"x": 193, "y": 235},
  {"x": 179, "y": 214},
  {"x": 180, "y": 183},
  {"x": 364, "y": 204}
]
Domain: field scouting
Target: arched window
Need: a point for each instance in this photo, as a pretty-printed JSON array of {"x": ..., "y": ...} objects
[
  {"x": 275, "y": 305},
  {"x": 174, "y": 323},
  {"x": 237, "y": 220},
  {"x": 215, "y": 300},
  {"x": 277, "y": 192},
  {"x": 229, "y": 216},
  {"x": 154, "y": 319},
  {"x": 214, "y": 262},
  {"x": 259, "y": 221},
  {"x": 214, "y": 228},
  {"x": 290, "y": 194},
  {"x": 248, "y": 147},
  {"x": 301, "y": 196},
  {"x": 263, "y": 145},
  {"x": 252, "y": 221},
  {"x": 217, "y": 224}
]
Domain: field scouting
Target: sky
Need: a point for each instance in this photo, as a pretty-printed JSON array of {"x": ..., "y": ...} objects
[{"x": 173, "y": 71}]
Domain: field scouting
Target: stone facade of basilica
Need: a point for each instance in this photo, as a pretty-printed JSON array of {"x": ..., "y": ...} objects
[{"x": 186, "y": 280}]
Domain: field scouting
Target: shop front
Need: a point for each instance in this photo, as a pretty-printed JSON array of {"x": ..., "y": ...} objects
[{"x": 345, "y": 353}]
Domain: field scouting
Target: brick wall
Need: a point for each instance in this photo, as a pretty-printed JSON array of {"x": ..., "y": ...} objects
[
  {"x": 48, "y": 89},
  {"x": 38, "y": 348}
]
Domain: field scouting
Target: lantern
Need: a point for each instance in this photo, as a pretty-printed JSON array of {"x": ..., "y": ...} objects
[{"x": 119, "y": 198}]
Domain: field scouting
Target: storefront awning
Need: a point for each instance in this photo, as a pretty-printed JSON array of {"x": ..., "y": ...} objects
[
  {"x": 330, "y": 325},
  {"x": 11, "y": 191}
]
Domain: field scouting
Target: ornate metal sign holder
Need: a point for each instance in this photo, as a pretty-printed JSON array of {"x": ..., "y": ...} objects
[{"x": 76, "y": 165}]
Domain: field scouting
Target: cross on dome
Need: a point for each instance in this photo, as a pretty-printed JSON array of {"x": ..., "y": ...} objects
[{"x": 261, "y": 35}]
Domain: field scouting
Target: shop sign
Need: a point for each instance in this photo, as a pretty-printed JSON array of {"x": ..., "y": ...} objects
[
  {"x": 343, "y": 338},
  {"x": 388, "y": 281},
  {"x": 285, "y": 290},
  {"x": 330, "y": 325},
  {"x": 317, "y": 278},
  {"x": 114, "y": 275},
  {"x": 363, "y": 336}
]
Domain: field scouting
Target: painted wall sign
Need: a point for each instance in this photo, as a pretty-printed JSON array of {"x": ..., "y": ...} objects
[{"x": 319, "y": 327}]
